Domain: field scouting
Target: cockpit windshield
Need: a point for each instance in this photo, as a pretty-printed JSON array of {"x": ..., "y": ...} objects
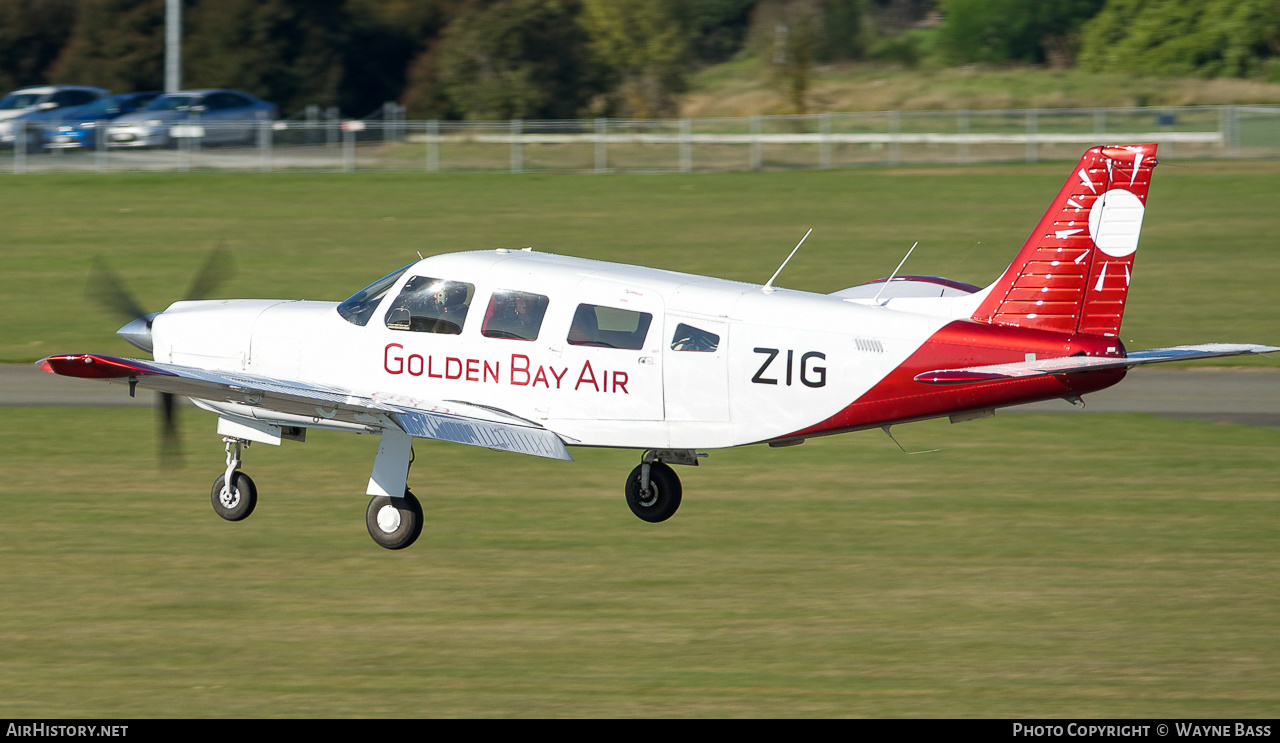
[{"x": 360, "y": 306}]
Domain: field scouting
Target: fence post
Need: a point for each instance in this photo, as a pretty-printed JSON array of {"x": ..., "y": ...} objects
[
  {"x": 757, "y": 159},
  {"x": 1233, "y": 130},
  {"x": 184, "y": 143},
  {"x": 433, "y": 146},
  {"x": 824, "y": 146},
  {"x": 1099, "y": 121},
  {"x": 686, "y": 146},
  {"x": 517, "y": 156},
  {"x": 602, "y": 146},
  {"x": 100, "y": 149},
  {"x": 962, "y": 144},
  {"x": 20, "y": 147},
  {"x": 264, "y": 144},
  {"x": 1032, "y": 152},
  {"x": 895, "y": 128},
  {"x": 196, "y": 142},
  {"x": 348, "y": 150}
]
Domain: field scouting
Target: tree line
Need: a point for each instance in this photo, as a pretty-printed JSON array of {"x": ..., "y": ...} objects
[{"x": 532, "y": 59}]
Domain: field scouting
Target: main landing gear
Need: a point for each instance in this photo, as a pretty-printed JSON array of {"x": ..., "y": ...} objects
[
  {"x": 394, "y": 523},
  {"x": 653, "y": 488}
]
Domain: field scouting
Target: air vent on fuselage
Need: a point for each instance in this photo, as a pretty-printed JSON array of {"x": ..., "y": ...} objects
[{"x": 868, "y": 345}]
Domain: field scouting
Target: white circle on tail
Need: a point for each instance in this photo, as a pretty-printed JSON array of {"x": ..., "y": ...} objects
[{"x": 1115, "y": 221}]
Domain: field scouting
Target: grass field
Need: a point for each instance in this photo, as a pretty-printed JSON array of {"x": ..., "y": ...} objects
[
  {"x": 1033, "y": 567},
  {"x": 1036, "y": 566}
]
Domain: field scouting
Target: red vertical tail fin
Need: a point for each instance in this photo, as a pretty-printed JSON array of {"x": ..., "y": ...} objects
[{"x": 1072, "y": 275}]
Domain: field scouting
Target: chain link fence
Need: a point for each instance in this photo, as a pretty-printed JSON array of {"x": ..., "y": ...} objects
[{"x": 317, "y": 140}]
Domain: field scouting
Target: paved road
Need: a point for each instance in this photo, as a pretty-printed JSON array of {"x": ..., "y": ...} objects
[{"x": 1248, "y": 396}]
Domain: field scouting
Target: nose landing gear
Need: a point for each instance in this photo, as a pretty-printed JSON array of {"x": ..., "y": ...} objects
[{"x": 234, "y": 495}]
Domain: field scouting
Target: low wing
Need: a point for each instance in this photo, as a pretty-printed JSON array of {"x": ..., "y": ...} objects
[
  {"x": 459, "y": 422},
  {"x": 1069, "y": 364}
]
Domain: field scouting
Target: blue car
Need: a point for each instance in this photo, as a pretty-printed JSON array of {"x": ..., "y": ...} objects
[
  {"x": 27, "y": 110},
  {"x": 78, "y": 127}
]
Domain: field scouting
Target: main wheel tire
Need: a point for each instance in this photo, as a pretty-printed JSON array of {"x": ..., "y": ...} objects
[
  {"x": 394, "y": 523},
  {"x": 663, "y": 497},
  {"x": 239, "y": 502}
]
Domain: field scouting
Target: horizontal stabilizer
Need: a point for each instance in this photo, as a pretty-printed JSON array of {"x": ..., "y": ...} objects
[{"x": 1072, "y": 364}]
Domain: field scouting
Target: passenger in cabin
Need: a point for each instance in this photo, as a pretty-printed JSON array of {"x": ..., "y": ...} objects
[{"x": 514, "y": 315}]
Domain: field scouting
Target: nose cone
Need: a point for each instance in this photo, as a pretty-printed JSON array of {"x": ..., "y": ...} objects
[{"x": 138, "y": 332}]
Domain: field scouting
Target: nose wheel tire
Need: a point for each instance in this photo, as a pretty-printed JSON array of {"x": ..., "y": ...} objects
[
  {"x": 662, "y": 498},
  {"x": 237, "y": 502},
  {"x": 394, "y": 523}
]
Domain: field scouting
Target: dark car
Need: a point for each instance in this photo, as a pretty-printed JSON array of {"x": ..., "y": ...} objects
[
  {"x": 212, "y": 116},
  {"x": 78, "y": 127}
]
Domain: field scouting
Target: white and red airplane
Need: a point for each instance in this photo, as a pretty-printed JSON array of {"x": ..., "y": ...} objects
[{"x": 532, "y": 353}]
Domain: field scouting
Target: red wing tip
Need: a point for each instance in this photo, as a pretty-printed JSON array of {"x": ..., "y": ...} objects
[
  {"x": 94, "y": 366},
  {"x": 957, "y": 377}
]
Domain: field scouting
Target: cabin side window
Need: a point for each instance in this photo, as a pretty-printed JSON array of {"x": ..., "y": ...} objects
[
  {"x": 689, "y": 338},
  {"x": 428, "y": 305},
  {"x": 514, "y": 315},
  {"x": 609, "y": 327}
]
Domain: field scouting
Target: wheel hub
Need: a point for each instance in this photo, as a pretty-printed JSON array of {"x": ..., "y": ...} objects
[
  {"x": 388, "y": 519},
  {"x": 229, "y": 497},
  {"x": 649, "y": 498}
]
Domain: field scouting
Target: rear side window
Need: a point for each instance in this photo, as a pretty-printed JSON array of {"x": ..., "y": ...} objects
[
  {"x": 609, "y": 327},
  {"x": 689, "y": 338},
  {"x": 428, "y": 305},
  {"x": 514, "y": 315}
]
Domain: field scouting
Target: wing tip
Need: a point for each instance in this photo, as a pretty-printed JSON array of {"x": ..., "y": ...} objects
[{"x": 96, "y": 366}]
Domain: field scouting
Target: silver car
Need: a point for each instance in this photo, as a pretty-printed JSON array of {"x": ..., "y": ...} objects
[{"x": 210, "y": 116}]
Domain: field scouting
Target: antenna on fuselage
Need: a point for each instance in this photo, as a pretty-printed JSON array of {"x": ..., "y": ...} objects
[
  {"x": 889, "y": 433},
  {"x": 892, "y": 275},
  {"x": 768, "y": 286}
]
